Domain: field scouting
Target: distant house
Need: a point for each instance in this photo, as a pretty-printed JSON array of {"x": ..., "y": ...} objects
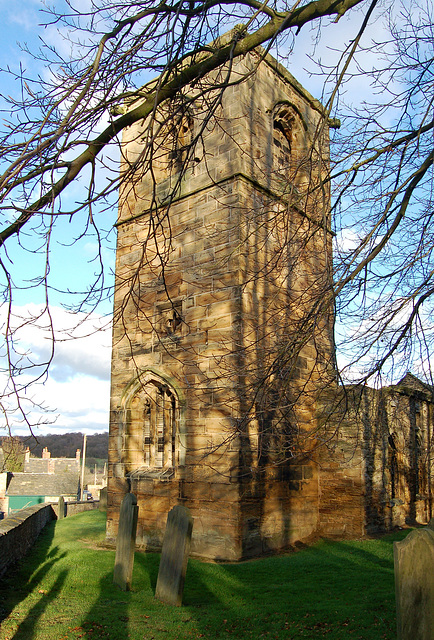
[
  {"x": 47, "y": 464},
  {"x": 26, "y": 489},
  {"x": 43, "y": 480}
]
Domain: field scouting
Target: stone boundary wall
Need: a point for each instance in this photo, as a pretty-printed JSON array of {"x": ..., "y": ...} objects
[
  {"x": 71, "y": 508},
  {"x": 19, "y": 531}
]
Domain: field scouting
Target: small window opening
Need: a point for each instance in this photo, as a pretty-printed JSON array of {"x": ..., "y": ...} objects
[
  {"x": 393, "y": 466},
  {"x": 182, "y": 135},
  {"x": 282, "y": 140},
  {"x": 169, "y": 319}
]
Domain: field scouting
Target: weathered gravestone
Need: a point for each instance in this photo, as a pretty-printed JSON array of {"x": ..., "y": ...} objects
[
  {"x": 174, "y": 556},
  {"x": 103, "y": 499},
  {"x": 61, "y": 508},
  {"x": 414, "y": 585},
  {"x": 126, "y": 542}
]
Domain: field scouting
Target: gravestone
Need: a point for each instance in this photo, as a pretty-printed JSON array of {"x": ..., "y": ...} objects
[
  {"x": 414, "y": 585},
  {"x": 126, "y": 542},
  {"x": 103, "y": 499},
  {"x": 174, "y": 556},
  {"x": 61, "y": 508}
]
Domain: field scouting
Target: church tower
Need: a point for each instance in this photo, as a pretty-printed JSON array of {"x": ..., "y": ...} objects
[{"x": 222, "y": 331}]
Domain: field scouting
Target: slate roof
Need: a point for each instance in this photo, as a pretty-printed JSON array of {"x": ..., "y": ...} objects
[
  {"x": 43, "y": 484},
  {"x": 42, "y": 465}
]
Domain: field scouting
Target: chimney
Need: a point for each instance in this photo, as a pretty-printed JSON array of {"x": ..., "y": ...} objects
[
  {"x": 45, "y": 453},
  {"x": 77, "y": 455},
  {"x": 27, "y": 455}
]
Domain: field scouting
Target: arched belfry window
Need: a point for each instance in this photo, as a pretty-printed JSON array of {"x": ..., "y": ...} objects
[
  {"x": 181, "y": 138},
  {"x": 286, "y": 122},
  {"x": 151, "y": 430}
]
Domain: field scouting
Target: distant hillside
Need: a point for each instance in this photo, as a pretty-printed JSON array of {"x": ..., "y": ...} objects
[{"x": 66, "y": 444}]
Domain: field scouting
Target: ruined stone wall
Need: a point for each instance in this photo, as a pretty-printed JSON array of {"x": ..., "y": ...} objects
[{"x": 376, "y": 470}]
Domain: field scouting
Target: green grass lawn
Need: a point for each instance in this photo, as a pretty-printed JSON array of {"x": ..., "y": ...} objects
[{"x": 63, "y": 591}]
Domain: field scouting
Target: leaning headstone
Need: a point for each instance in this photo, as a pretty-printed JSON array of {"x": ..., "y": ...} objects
[
  {"x": 174, "y": 556},
  {"x": 103, "y": 499},
  {"x": 126, "y": 542},
  {"x": 414, "y": 585},
  {"x": 61, "y": 508}
]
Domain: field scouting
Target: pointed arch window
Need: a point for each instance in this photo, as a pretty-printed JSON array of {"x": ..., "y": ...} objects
[{"x": 151, "y": 433}]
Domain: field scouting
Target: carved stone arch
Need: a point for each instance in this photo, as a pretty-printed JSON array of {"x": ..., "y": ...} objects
[
  {"x": 152, "y": 425},
  {"x": 289, "y": 111}
]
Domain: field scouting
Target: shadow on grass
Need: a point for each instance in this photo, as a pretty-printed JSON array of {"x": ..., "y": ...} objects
[
  {"x": 341, "y": 589},
  {"x": 148, "y": 563},
  {"x": 26, "y": 628},
  {"x": 25, "y": 575},
  {"x": 100, "y": 623},
  {"x": 24, "y": 578},
  {"x": 197, "y": 592}
]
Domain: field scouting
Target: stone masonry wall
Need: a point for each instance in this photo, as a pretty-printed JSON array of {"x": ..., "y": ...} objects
[{"x": 19, "y": 531}]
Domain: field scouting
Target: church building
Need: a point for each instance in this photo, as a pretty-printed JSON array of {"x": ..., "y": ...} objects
[{"x": 223, "y": 359}]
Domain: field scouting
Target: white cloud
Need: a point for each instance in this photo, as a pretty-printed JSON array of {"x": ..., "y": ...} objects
[
  {"x": 82, "y": 404},
  {"x": 77, "y": 388},
  {"x": 346, "y": 240}
]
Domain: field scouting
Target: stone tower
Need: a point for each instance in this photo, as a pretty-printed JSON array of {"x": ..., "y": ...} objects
[{"x": 222, "y": 338}]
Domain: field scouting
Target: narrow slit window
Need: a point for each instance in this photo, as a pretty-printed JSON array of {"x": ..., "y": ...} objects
[
  {"x": 182, "y": 136},
  {"x": 285, "y": 119},
  {"x": 147, "y": 433}
]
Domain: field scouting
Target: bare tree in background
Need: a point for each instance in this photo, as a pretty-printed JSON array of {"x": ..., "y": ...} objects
[
  {"x": 67, "y": 129},
  {"x": 383, "y": 177}
]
